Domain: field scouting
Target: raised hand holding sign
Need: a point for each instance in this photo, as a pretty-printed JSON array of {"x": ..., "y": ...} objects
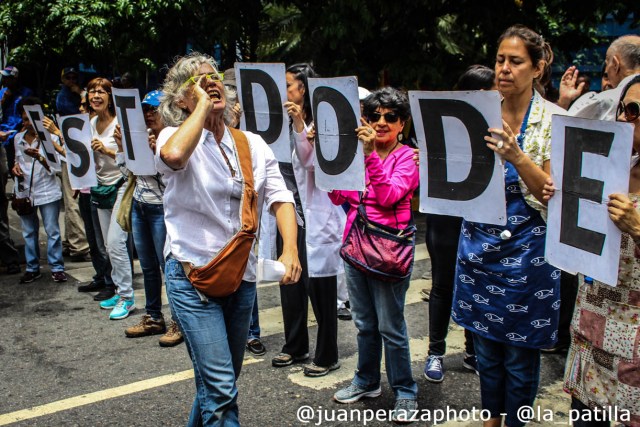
[
  {"x": 135, "y": 138},
  {"x": 589, "y": 161},
  {"x": 339, "y": 160},
  {"x": 459, "y": 174},
  {"x": 76, "y": 132},
  {"x": 36, "y": 116},
  {"x": 262, "y": 91}
]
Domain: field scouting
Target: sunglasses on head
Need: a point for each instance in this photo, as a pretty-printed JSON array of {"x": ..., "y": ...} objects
[
  {"x": 631, "y": 110},
  {"x": 388, "y": 117},
  {"x": 194, "y": 79}
]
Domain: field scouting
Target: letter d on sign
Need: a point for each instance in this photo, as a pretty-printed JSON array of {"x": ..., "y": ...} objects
[
  {"x": 482, "y": 158},
  {"x": 249, "y": 77}
]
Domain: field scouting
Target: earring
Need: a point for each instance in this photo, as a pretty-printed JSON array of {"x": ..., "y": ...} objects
[{"x": 400, "y": 137}]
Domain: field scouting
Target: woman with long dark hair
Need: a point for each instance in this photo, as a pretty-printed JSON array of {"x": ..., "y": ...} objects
[
  {"x": 318, "y": 242},
  {"x": 443, "y": 233},
  {"x": 505, "y": 292}
]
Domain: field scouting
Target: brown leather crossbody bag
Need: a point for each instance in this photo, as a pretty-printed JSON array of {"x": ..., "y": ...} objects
[{"x": 223, "y": 274}]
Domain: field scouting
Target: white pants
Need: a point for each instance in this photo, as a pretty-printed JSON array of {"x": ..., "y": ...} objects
[
  {"x": 115, "y": 239},
  {"x": 343, "y": 293}
]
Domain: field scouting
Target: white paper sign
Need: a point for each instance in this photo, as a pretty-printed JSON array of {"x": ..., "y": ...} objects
[
  {"x": 459, "y": 174},
  {"x": 76, "y": 131},
  {"x": 589, "y": 161},
  {"x": 35, "y": 114},
  {"x": 135, "y": 138},
  {"x": 262, "y": 92},
  {"x": 339, "y": 156}
]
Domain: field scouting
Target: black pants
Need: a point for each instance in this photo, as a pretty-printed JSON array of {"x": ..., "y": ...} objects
[
  {"x": 8, "y": 253},
  {"x": 442, "y": 243},
  {"x": 569, "y": 285},
  {"x": 97, "y": 250},
  {"x": 586, "y": 413},
  {"x": 323, "y": 293}
]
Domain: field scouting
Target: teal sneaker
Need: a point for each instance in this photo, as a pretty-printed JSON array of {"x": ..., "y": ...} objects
[
  {"x": 122, "y": 309},
  {"x": 108, "y": 304}
]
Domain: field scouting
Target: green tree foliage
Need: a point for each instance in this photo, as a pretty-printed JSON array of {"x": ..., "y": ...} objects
[
  {"x": 422, "y": 43},
  {"x": 410, "y": 43}
]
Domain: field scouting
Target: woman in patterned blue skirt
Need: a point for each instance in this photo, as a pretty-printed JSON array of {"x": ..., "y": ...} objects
[{"x": 506, "y": 293}]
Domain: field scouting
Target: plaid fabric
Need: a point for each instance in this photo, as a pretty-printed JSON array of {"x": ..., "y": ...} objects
[{"x": 603, "y": 364}]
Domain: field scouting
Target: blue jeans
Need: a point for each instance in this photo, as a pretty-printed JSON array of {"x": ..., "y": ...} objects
[
  {"x": 215, "y": 333},
  {"x": 254, "y": 327},
  {"x": 378, "y": 312},
  {"x": 149, "y": 234},
  {"x": 509, "y": 377},
  {"x": 30, "y": 227}
]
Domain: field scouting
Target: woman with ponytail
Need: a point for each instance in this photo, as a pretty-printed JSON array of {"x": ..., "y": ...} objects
[{"x": 505, "y": 292}]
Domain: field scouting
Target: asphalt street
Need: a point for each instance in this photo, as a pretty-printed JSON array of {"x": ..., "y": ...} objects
[{"x": 64, "y": 363}]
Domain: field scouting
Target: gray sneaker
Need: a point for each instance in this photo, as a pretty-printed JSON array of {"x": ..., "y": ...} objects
[
  {"x": 405, "y": 411},
  {"x": 353, "y": 393}
]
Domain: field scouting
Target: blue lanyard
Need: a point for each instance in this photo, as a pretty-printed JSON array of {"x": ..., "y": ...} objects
[{"x": 523, "y": 128}]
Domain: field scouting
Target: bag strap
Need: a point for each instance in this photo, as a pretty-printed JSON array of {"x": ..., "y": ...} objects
[
  {"x": 246, "y": 166},
  {"x": 33, "y": 168}
]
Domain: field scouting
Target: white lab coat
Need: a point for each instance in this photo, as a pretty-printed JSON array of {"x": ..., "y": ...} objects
[{"x": 324, "y": 221}]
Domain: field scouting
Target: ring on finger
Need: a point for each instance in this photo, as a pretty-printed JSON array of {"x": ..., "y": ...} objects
[
  {"x": 500, "y": 144},
  {"x": 370, "y": 131}
]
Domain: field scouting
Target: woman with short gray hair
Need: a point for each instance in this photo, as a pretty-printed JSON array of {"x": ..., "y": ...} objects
[{"x": 202, "y": 166}]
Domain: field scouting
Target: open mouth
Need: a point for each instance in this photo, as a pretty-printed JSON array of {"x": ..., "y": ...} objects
[{"x": 214, "y": 94}]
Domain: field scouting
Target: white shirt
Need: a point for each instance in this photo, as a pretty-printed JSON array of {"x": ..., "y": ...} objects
[
  {"x": 202, "y": 200},
  {"x": 45, "y": 188},
  {"x": 325, "y": 221},
  {"x": 106, "y": 168},
  {"x": 602, "y": 106},
  {"x": 149, "y": 188}
]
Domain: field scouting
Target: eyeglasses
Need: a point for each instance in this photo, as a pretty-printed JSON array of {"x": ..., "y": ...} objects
[
  {"x": 388, "y": 117},
  {"x": 631, "y": 110},
  {"x": 194, "y": 79},
  {"x": 149, "y": 109},
  {"x": 98, "y": 92}
]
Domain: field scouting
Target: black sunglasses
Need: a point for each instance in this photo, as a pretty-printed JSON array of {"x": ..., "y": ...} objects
[
  {"x": 631, "y": 110},
  {"x": 388, "y": 117}
]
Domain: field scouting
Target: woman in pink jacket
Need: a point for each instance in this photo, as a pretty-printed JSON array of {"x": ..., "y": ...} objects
[{"x": 378, "y": 307}]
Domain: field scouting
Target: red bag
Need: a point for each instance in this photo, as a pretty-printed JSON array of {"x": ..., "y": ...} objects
[{"x": 379, "y": 251}]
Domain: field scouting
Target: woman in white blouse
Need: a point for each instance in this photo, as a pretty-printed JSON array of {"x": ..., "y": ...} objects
[
  {"x": 37, "y": 181},
  {"x": 197, "y": 155},
  {"x": 109, "y": 174}
]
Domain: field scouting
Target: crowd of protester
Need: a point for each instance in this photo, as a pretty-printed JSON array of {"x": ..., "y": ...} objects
[{"x": 200, "y": 155}]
